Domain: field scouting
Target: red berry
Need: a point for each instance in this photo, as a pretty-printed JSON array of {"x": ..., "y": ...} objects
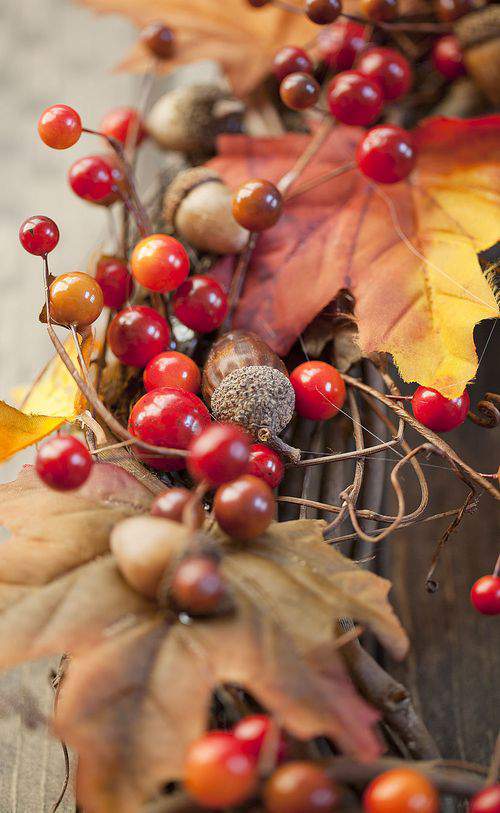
[
  {"x": 447, "y": 57},
  {"x": 137, "y": 334},
  {"x": 401, "y": 790},
  {"x": 437, "y": 412},
  {"x": 340, "y": 44},
  {"x": 197, "y": 586},
  {"x": 63, "y": 463},
  {"x": 299, "y": 91},
  {"x": 301, "y": 787},
  {"x": 485, "y": 596},
  {"x": 389, "y": 68},
  {"x": 244, "y": 508},
  {"x": 319, "y": 390},
  {"x": 167, "y": 417},
  {"x": 219, "y": 454},
  {"x": 354, "y": 99},
  {"x": 386, "y": 154},
  {"x": 170, "y": 504},
  {"x": 160, "y": 263},
  {"x": 172, "y": 369},
  {"x": 60, "y": 126},
  {"x": 97, "y": 179},
  {"x": 117, "y": 285},
  {"x": 381, "y": 11},
  {"x": 39, "y": 235},
  {"x": 257, "y": 205},
  {"x": 159, "y": 39},
  {"x": 291, "y": 60},
  {"x": 323, "y": 12},
  {"x": 217, "y": 772},
  {"x": 200, "y": 304},
  {"x": 266, "y": 464},
  {"x": 252, "y": 732},
  {"x": 123, "y": 123},
  {"x": 486, "y": 801}
]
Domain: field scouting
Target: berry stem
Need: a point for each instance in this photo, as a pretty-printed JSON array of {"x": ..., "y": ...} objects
[
  {"x": 315, "y": 144},
  {"x": 189, "y": 515},
  {"x": 496, "y": 569},
  {"x": 468, "y": 505},
  {"x": 287, "y": 6},
  {"x": 307, "y": 186},
  {"x": 404, "y": 25}
]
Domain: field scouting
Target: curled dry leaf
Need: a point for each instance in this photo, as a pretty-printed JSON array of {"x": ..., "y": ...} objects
[
  {"x": 139, "y": 684},
  {"x": 408, "y": 253}
]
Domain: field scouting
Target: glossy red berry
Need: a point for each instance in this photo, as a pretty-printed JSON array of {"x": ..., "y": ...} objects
[
  {"x": 98, "y": 179},
  {"x": 253, "y": 731},
  {"x": 485, "y": 596},
  {"x": 160, "y": 263},
  {"x": 63, "y": 462},
  {"x": 386, "y": 154},
  {"x": 301, "y": 787},
  {"x": 447, "y": 57},
  {"x": 389, "y": 68},
  {"x": 75, "y": 299},
  {"x": 401, "y": 790},
  {"x": 354, "y": 99},
  {"x": 219, "y": 454},
  {"x": 59, "y": 126},
  {"x": 218, "y": 773},
  {"x": 266, "y": 464},
  {"x": 381, "y": 11},
  {"x": 486, "y": 801},
  {"x": 172, "y": 369},
  {"x": 170, "y": 504},
  {"x": 450, "y": 10},
  {"x": 257, "y": 205},
  {"x": 319, "y": 390},
  {"x": 437, "y": 412},
  {"x": 291, "y": 60},
  {"x": 245, "y": 507},
  {"x": 200, "y": 304},
  {"x": 117, "y": 285},
  {"x": 299, "y": 91},
  {"x": 39, "y": 235},
  {"x": 159, "y": 39},
  {"x": 197, "y": 586},
  {"x": 340, "y": 45},
  {"x": 123, "y": 123},
  {"x": 138, "y": 334},
  {"x": 167, "y": 417},
  {"x": 323, "y": 12}
]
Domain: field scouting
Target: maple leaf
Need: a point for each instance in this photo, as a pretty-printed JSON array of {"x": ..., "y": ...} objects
[
  {"x": 139, "y": 684},
  {"x": 408, "y": 253}
]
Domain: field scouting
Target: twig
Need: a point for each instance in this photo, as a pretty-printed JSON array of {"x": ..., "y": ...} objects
[
  {"x": 351, "y": 493},
  {"x": 56, "y": 685},
  {"x": 488, "y": 408},
  {"x": 319, "y": 180},
  {"x": 430, "y": 583},
  {"x": 315, "y": 144},
  {"x": 494, "y": 768}
]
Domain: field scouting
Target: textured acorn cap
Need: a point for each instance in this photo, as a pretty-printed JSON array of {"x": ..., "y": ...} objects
[
  {"x": 255, "y": 397},
  {"x": 182, "y": 185},
  {"x": 481, "y": 26}
]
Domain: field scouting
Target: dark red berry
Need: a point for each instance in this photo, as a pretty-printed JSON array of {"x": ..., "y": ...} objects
[
  {"x": 39, "y": 235},
  {"x": 63, "y": 462},
  {"x": 172, "y": 369},
  {"x": 389, "y": 68},
  {"x": 386, "y": 154},
  {"x": 266, "y": 464},
  {"x": 299, "y": 91},
  {"x": 97, "y": 179},
  {"x": 59, "y": 126},
  {"x": 291, "y": 60},
  {"x": 319, "y": 390},
  {"x": 485, "y": 596},
  {"x": 138, "y": 334},
  {"x": 197, "y": 587},
  {"x": 217, "y": 772},
  {"x": 381, "y": 11},
  {"x": 117, "y": 285},
  {"x": 301, "y": 787},
  {"x": 257, "y": 205},
  {"x": 340, "y": 45},
  {"x": 437, "y": 412},
  {"x": 200, "y": 304},
  {"x": 258, "y": 3},
  {"x": 323, "y": 12},
  {"x": 486, "y": 801},
  {"x": 447, "y": 57},
  {"x": 219, "y": 454},
  {"x": 354, "y": 99},
  {"x": 159, "y": 39},
  {"x": 244, "y": 508},
  {"x": 167, "y": 417},
  {"x": 124, "y": 123},
  {"x": 253, "y": 731},
  {"x": 450, "y": 10},
  {"x": 170, "y": 504},
  {"x": 160, "y": 263}
]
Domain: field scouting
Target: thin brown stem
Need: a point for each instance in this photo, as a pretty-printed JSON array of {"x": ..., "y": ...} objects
[
  {"x": 319, "y": 180},
  {"x": 365, "y": 452},
  {"x": 405, "y": 25},
  {"x": 430, "y": 583},
  {"x": 351, "y": 493},
  {"x": 315, "y": 144}
]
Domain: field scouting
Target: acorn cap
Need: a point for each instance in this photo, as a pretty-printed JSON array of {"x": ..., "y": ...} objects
[
  {"x": 182, "y": 185},
  {"x": 480, "y": 26},
  {"x": 255, "y": 397}
]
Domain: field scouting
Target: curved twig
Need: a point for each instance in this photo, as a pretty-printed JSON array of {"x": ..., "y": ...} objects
[{"x": 488, "y": 408}]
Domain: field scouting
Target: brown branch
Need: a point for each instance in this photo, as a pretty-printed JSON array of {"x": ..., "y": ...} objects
[
  {"x": 470, "y": 502},
  {"x": 56, "y": 685},
  {"x": 351, "y": 493},
  {"x": 291, "y": 177},
  {"x": 489, "y": 412}
]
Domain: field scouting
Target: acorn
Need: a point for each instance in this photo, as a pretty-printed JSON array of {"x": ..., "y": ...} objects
[
  {"x": 479, "y": 36},
  {"x": 245, "y": 382},
  {"x": 197, "y": 205},
  {"x": 189, "y": 119}
]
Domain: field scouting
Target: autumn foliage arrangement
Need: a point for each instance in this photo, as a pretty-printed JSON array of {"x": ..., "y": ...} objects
[{"x": 310, "y": 224}]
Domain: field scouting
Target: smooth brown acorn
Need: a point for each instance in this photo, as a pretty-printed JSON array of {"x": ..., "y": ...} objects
[{"x": 245, "y": 382}]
